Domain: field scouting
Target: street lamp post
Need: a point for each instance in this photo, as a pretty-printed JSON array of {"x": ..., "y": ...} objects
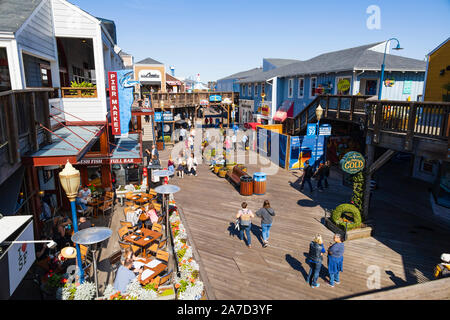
[
  {"x": 70, "y": 181},
  {"x": 383, "y": 65},
  {"x": 319, "y": 113}
]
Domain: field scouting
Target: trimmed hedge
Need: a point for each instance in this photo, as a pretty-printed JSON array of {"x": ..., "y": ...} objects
[{"x": 350, "y": 209}]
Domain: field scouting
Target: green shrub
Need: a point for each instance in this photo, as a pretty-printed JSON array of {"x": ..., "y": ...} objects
[{"x": 347, "y": 209}]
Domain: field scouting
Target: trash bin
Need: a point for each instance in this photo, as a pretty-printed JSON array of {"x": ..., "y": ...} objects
[
  {"x": 259, "y": 183},
  {"x": 246, "y": 186}
]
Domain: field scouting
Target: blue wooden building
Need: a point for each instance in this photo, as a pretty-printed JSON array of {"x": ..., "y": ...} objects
[{"x": 345, "y": 72}]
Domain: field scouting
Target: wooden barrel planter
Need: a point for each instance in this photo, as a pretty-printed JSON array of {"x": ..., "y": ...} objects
[
  {"x": 223, "y": 172},
  {"x": 242, "y": 167},
  {"x": 230, "y": 166},
  {"x": 217, "y": 168}
]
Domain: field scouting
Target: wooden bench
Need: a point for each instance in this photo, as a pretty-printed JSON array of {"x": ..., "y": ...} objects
[{"x": 235, "y": 175}]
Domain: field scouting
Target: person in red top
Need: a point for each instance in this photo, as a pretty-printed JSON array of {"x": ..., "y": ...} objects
[{"x": 151, "y": 213}]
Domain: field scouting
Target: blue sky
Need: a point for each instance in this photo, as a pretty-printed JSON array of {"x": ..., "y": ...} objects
[{"x": 218, "y": 38}]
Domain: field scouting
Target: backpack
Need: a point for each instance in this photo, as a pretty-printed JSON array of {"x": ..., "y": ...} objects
[
  {"x": 245, "y": 223},
  {"x": 314, "y": 252}
]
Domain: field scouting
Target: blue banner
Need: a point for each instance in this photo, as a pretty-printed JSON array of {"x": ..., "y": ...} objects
[
  {"x": 121, "y": 86},
  {"x": 311, "y": 148}
]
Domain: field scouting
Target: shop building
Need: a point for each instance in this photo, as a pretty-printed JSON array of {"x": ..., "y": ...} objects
[
  {"x": 346, "y": 72},
  {"x": 152, "y": 76}
]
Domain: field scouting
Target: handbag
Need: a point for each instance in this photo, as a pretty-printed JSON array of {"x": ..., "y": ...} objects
[{"x": 236, "y": 224}]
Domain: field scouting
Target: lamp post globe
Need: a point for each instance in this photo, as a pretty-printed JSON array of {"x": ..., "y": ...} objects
[
  {"x": 70, "y": 180},
  {"x": 319, "y": 112}
]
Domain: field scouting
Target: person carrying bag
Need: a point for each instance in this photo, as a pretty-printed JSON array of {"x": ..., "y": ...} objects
[{"x": 245, "y": 223}]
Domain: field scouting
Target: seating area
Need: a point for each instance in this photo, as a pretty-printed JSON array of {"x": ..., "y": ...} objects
[{"x": 235, "y": 175}]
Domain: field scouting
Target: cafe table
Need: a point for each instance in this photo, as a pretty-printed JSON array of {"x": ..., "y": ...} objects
[
  {"x": 142, "y": 238},
  {"x": 150, "y": 265},
  {"x": 94, "y": 203}
]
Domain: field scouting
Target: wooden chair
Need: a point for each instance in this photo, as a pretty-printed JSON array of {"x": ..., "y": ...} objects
[
  {"x": 122, "y": 232},
  {"x": 123, "y": 245},
  {"x": 157, "y": 206},
  {"x": 157, "y": 246},
  {"x": 128, "y": 197},
  {"x": 107, "y": 206},
  {"x": 157, "y": 227},
  {"x": 167, "y": 276},
  {"x": 127, "y": 224},
  {"x": 114, "y": 261},
  {"x": 125, "y": 211},
  {"x": 153, "y": 192},
  {"x": 163, "y": 256},
  {"x": 160, "y": 219}
]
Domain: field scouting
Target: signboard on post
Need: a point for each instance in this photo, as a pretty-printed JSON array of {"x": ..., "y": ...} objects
[
  {"x": 325, "y": 130},
  {"x": 353, "y": 162},
  {"x": 215, "y": 98},
  {"x": 168, "y": 116},
  {"x": 311, "y": 129}
]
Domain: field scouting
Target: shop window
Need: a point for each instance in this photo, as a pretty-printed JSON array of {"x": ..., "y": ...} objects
[
  {"x": 249, "y": 90},
  {"x": 256, "y": 90},
  {"x": 313, "y": 82},
  {"x": 301, "y": 87},
  {"x": 5, "y": 81},
  {"x": 291, "y": 88}
]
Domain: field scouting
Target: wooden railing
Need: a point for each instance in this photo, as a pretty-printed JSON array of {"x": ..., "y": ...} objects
[
  {"x": 426, "y": 119},
  {"x": 87, "y": 92},
  {"x": 187, "y": 99},
  {"x": 335, "y": 107}
]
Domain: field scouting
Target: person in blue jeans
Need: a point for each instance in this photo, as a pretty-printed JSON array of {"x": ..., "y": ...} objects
[
  {"x": 266, "y": 213},
  {"x": 315, "y": 255},
  {"x": 245, "y": 223},
  {"x": 335, "y": 260}
]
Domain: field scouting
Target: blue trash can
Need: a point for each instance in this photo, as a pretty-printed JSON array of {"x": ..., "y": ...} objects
[{"x": 259, "y": 183}]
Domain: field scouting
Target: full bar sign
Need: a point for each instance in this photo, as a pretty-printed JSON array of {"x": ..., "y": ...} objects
[{"x": 114, "y": 103}]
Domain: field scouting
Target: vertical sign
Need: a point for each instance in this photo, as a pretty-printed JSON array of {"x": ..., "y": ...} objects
[
  {"x": 114, "y": 103},
  {"x": 20, "y": 258},
  {"x": 311, "y": 129}
]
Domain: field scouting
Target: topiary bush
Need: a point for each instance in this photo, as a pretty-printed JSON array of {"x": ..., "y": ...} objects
[{"x": 346, "y": 209}]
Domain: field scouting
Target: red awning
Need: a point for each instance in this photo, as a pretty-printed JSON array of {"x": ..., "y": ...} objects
[
  {"x": 286, "y": 110},
  {"x": 251, "y": 125}
]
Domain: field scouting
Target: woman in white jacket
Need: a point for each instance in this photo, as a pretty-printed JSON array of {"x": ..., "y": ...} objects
[{"x": 192, "y": 165}]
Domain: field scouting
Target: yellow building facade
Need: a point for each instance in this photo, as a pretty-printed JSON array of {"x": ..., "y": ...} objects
[{"x": 438, "y": 73}]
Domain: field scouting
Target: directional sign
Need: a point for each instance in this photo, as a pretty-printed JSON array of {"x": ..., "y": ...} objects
[{"x": 325, "y": 130}]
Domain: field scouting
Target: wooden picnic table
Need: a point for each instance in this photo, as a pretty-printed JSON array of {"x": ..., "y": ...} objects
[
  {"x": 156, "y": 270},
  {"x": 144, "y": 234}
]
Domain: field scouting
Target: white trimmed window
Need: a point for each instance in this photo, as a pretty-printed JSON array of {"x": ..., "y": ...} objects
[
  {"x": 243, "y": 90},
  {"x": 256, "y": 90},
  {"x": 343, "y": 85},
  {"x": 290, "y": 88},
  {"x": 313, "y": 86},
  {"x": 301, "y": 87},
  {"x": 249, "y": 90}
]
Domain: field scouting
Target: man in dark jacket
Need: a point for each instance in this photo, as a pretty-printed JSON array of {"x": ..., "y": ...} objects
[
  {"x": 266, "y": 213},
  {"x": 326, "y": 173},
  {"x": 314, "y": 259},
  {"x": 307, "y": 174}
]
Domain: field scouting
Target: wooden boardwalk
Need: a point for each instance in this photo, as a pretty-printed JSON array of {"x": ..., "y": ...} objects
[{"x": 398, "y": 256}]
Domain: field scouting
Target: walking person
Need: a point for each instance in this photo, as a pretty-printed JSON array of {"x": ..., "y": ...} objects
[
  {"x": 182, "y": 134},
  {"x": 233, "y": 140},
  {"x": 319, "y": 175},
  {"x": 335, "y": 259},
  {"x": 244, "y": 141},
  {"x": 245, "y": 223},
  {"x": 191, "y": 143},
  {"x": 181, "y": 164},
  {"x": 307, "y": 174},
  {"x": 192, "y": 164},
  {"x": 326, "y": 173},
  {"x": 266, "y": 213},
  {"x": 315, "y": 256}
]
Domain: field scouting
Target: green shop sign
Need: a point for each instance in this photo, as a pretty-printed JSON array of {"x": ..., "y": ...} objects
[
  {"x": 343, "y": 85},
  {"x": 353, "y": 162}
]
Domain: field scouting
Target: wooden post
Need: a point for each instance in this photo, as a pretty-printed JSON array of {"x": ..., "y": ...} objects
[
  {"x": 411, "y": 126},
  {"x": 378, "y": 120},
  {"x": 352, "y": 107},
  {"x": 338, "y": 111},
  {"x": 33, "y": 130},
  {"x": 44, "y": 97},
  {"x": 370, "y": 154}
]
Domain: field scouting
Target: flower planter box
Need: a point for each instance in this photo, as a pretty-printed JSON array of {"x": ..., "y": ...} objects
[
  {"x": 172, "y": 296},
  {"x": 360, "y": 233}
]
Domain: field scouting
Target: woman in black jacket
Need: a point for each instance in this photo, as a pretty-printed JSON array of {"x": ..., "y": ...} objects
[{"x": 266, "y": 213}]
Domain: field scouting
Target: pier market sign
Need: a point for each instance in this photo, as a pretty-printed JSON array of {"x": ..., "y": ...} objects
[{"x": 353, "y": 162}]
